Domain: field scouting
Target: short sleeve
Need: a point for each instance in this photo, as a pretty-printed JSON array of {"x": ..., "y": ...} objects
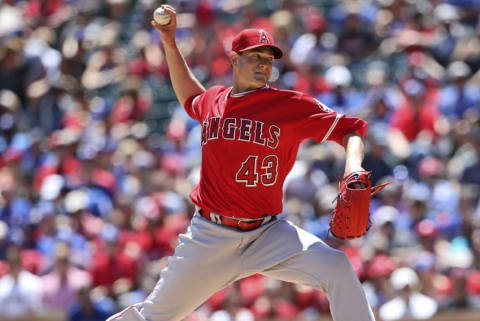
[
  {"x": 347, "y": 125},
  {"x": 192, "y": 106},
  {"x": 321, "y": 123},
  {"x": 200, "y": 105}
]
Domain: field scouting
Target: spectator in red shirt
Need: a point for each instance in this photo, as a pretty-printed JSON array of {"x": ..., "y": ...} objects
[
  {"x": 111, "y": 262},
  {"x": 419, "y": 111}
]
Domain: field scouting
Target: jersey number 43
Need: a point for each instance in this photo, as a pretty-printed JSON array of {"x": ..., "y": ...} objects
[{"x": 249, "y": 173}]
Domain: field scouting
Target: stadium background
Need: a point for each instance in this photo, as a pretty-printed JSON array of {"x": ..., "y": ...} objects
[{"x": 97, "y": 157}]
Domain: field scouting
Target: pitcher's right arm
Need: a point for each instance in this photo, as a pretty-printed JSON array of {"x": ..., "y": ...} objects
[{"x": 184, "y": 82}]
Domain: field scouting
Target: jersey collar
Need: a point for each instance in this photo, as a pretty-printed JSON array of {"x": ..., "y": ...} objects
[{"x": 244, "y": 93}]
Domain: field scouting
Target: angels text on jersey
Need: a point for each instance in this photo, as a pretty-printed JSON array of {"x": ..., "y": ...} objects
[{"x": 240, "y": 129}]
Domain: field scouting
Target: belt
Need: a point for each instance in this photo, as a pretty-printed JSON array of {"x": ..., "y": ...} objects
[{"x": 238, "y": 224}]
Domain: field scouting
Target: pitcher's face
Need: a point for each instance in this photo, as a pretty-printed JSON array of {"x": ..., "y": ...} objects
[{"x": 253, "y": 67}]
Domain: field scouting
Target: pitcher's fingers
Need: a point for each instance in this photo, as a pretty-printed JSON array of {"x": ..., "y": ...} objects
[
  {"x": 169, "y": 8},
  {"x": 359, "y": 185}
]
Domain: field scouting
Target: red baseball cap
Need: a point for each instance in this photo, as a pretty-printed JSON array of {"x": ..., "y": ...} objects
[{"x": 253, "y": 38}]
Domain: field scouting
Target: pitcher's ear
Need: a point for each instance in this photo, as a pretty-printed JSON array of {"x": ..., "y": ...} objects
[{"x": 233, "y": 58}]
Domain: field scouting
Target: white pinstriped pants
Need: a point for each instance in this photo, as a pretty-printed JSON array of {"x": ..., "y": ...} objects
[{"x": 209, "y": 257}]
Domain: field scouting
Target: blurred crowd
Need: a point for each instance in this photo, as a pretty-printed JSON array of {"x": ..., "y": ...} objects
[{"x": 97, "y": 158}]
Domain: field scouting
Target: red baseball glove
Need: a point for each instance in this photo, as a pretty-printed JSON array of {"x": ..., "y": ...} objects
[{"x": 351, "y": 216}]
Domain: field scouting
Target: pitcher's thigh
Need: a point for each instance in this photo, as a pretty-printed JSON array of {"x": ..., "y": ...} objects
[
  {"x": 310, "y": 261},
  {"x": 199, "y": 267},
  {"x": 317, "y": 265},
  {"x": 285, "y": 247},
  {"x": 181, "y": 289}
]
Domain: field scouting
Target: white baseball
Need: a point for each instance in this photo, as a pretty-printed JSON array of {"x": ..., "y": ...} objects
[{"x": 161, "y": 16}]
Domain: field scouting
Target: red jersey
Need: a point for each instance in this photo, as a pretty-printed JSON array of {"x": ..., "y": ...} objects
[
  {"x": 411, "y": 122},
  {"x": 250, "y": 143}
]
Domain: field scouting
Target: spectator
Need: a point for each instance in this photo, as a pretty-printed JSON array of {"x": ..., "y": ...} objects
[
  {"x": 471, "y": 174},
  {"x": 18, "y": 71},
  {"x": 90, "y": 308},
  {"x": 446, "y": 38},
  {"x": 60, "y": 286},
  {"x": 343, "y": 97},
  {"x": 461, "y": 96},
  {"x": 20, "y": 290},
  {"x": 356, "y": 40},
  {"x": 111, "y": 262},
  {"x": 418, "y": 112},
  {"x": 409, "y": 302}
]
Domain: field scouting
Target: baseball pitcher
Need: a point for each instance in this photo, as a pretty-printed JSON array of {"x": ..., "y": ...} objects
[{"x": 250, "y": 138}]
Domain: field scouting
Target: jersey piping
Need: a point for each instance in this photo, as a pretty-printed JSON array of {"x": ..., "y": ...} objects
[{"x": 332, "y": 127}]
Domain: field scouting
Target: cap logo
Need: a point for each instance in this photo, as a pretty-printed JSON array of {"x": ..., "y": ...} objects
[{"x": 263, "y": 37}]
